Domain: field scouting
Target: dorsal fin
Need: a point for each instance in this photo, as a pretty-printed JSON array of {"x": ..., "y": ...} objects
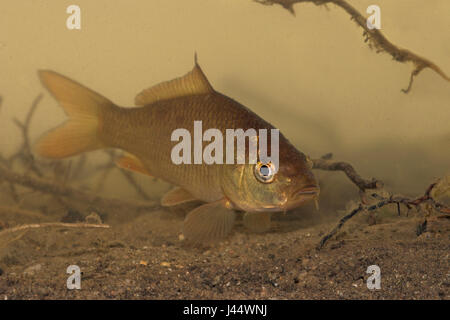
[{"x": 194, "y": 82}]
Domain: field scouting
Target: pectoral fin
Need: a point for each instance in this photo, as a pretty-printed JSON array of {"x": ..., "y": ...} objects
[
  {"x": 209, "y": 222},
  {"x": 175, "y": 197},
  {"x": 132, "y": 163},
  {"x": 257, "y": 221}
]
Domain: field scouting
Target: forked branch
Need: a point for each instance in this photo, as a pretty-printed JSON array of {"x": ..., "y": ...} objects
[
  {"x": 325, "y": 163},
  {"x": 375, "y": 38},
  {"x": 426, "y": 198}
]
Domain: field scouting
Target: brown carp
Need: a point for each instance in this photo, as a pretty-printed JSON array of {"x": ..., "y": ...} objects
[{"x": 144, "y": 132}]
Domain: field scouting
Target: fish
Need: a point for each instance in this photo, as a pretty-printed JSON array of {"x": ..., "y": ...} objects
[{"x": 143, "y": 133}]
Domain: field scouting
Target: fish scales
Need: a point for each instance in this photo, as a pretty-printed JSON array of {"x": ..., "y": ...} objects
[{"x": 144, "y": 133}]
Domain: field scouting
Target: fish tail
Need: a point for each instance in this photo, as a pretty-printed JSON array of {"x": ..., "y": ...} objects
[{"x": 84, "y": 107}]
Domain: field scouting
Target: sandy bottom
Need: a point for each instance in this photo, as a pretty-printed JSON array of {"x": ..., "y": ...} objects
[{"x": 144, "y": 258}]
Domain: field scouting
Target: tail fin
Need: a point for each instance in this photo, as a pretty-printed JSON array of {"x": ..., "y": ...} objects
[{"x": 84, "y": 107}]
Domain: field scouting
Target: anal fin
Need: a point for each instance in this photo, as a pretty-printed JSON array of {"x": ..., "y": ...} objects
[{"x": 210, "y": 222}]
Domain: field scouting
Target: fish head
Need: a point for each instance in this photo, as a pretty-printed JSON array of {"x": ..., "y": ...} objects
[{"x": 262, "y": 187}]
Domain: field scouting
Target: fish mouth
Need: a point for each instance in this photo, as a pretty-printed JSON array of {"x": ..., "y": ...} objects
[
  {"x": 303, "y": 195},
  {"x": 308, "y": 190},
  {"x": 305, "y": 191}
]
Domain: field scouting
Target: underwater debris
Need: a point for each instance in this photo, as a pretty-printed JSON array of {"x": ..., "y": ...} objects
[
  {"x": 427, "y": 198},
  {"x": 374, "y": 37},
  {"x": 39, "y": 179}
]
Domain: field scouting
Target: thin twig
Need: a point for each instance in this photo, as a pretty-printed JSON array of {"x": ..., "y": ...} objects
[
  {"x": 325, "y": 163},
  {"x": 397, "y": 200},
  {"x": 6, "y": 243},
  {"x": 53, "y": 224},
  {"x": 24, "y": 152},
  {"x": 375, "y": 37},
  {"x": 11, "y": 186},
  {"x": 339, "y": 226},
  {"x": 6, "y": 162},
  {"x": 70, "y": 192}
]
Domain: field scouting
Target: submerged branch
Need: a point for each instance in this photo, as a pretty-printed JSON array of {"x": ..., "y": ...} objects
[
  {"x": 427, "y": 198},
  {"x": 36, "y": 179},
  {"x": 325, "y": 163},
  {"x": 52, "y": 224},
  {"x": 45, "y": 186},
  {"x": 375, "y": 37},
  {"x": 25, "y": 153}
]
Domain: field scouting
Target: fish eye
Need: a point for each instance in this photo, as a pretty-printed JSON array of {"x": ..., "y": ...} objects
[{"x": 264, "y": 172}]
